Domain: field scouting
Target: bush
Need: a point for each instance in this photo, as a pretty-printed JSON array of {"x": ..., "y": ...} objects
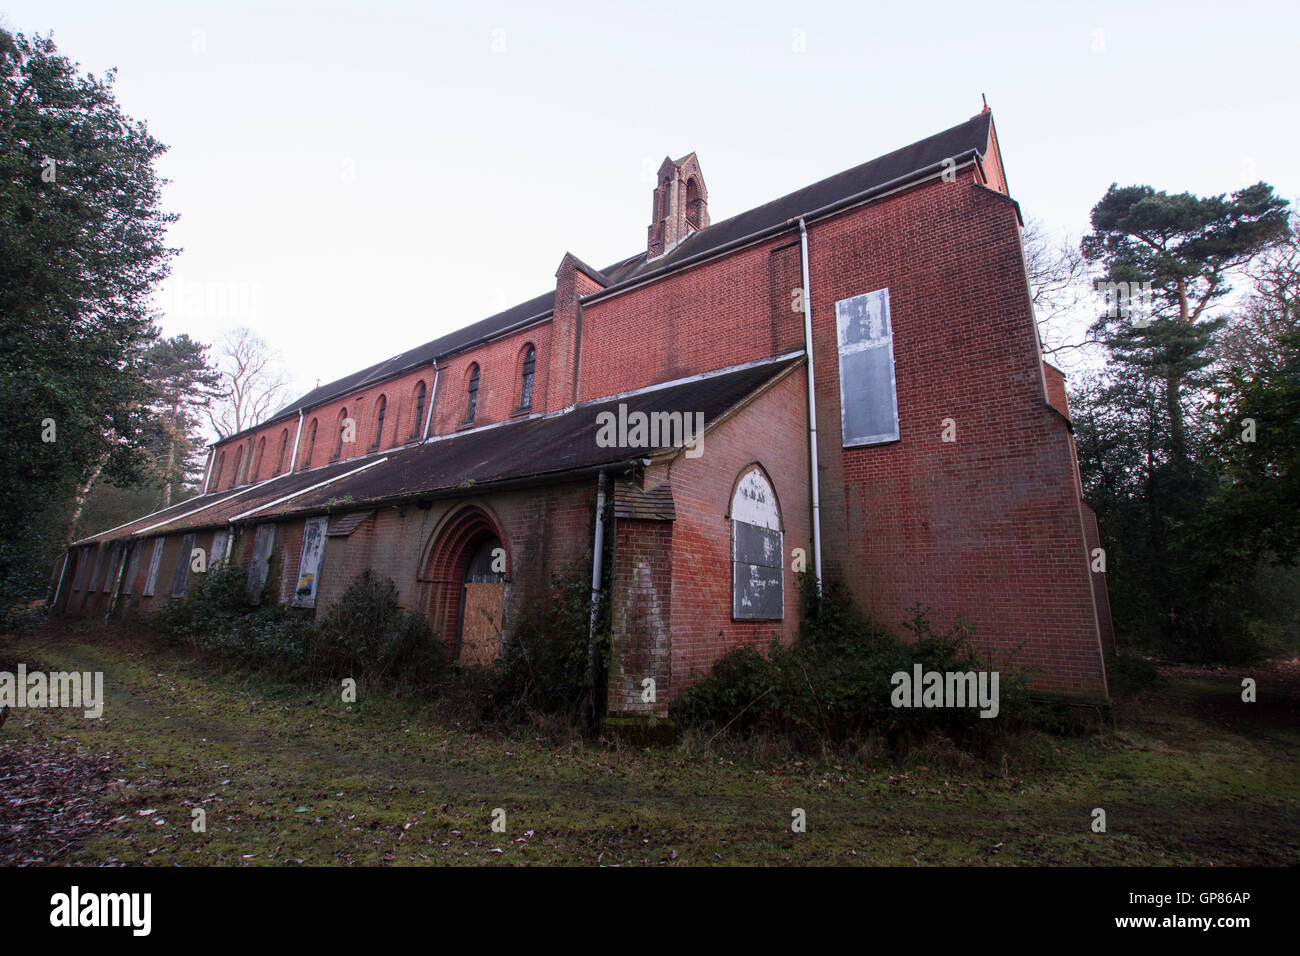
[
  {"x": 834, "y": 684},
  {"x": 366, "y": 635},
  {"x": 543, "y": 668}
]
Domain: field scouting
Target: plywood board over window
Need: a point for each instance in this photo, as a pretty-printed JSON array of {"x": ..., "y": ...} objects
[
  {"x": 313, "y": 550},
  {"x": 132, "y": 567},
  {"x": 182, "y": 576},
  {"x": 757, "y": 571},
  {"x": 151, "y": 579},
  {"x": 868, "y": 392},
  {"x": 263, "y": 542}
]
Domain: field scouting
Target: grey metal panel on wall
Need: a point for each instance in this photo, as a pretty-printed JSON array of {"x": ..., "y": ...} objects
[
  {"x": 132, "y": 567},
  {"x": 155, "y": 561},
  {"x": 868, "y": 390},
  {"x": 757, "y": 594},
  {"x": 182, "y": 576},
  {"x": 263, "y": 542},
  {"x": 313, "y": 551}
]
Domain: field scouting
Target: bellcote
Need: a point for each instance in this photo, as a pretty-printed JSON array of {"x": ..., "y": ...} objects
[{"x": 681, "y": 206}]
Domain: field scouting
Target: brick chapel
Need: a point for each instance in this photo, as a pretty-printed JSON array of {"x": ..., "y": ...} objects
[{"x": 847, "y": 379}]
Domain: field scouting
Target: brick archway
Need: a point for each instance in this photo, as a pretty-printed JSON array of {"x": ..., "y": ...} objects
[{"x": 451, "y": 550}]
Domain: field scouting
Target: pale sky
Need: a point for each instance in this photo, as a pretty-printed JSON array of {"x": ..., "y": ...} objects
[{"x": 354, "y": 179}]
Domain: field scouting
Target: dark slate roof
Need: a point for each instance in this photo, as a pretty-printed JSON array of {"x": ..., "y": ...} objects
[
  {"x": 646, "y": 504},
  {"x": 960, "y": 139},
  {"x": 522, "y": 450},
  {"x": 970, "y": 135},
  {"x": 420, "y": 355},
  {"x": 220, "y": 506},
  {"x": 534, "y": 448}
]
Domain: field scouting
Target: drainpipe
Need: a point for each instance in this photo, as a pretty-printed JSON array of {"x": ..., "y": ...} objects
[
  {"x": 433, "y": 394},
  {"x": 293, "y": 462},
  {"x": 812, "y": 408},
  {"x": 598, "y": 552}
]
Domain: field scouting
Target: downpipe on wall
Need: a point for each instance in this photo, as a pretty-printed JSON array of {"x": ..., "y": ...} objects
[
  {"x": 597, "y": 554},
  {"x": 812, "y": 407}
]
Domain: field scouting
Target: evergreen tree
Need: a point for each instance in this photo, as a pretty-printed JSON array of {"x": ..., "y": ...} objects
[{"x": 82, "y": 245}]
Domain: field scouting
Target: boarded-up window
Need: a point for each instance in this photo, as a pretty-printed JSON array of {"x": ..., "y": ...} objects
[
  {"x": 182, "y": 576},
  {"x": 83, "y": 569},
  {"x": 151, "y": 579},
  {"x": 94, "y": 575},
  {"x": 868, "y": 396},
  {"x": 757, "y": 591},
  {"x": 313, "y": 550},
  {"x": 132, "y": 567},
  {"x": 263, "y": 542},
  {"x": 110, "y": 574},
  {"x": 218, "y": 552}
]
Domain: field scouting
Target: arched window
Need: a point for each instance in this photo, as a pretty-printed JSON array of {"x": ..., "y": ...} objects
[
  {"x": 471, "y": 404},
  {"x": 757, "y": 565},
  {"x": 261, "y": 453},
  {"x": 343, "y": 429},
  {"x": 234, "y": 472},
  {"x": 311, "y": 446},
  {"x": 284, "y": 444},
  {"x": 380, "y": 411},
  {"x": 215, "y": 484},
  {"x": 418, "y": 423},
  {"x": 693, "y": 203},
  {"x": 526, "y": 387}
]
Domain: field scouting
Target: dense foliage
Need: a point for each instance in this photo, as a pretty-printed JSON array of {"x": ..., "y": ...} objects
[
  {"x": 834, "y": 684},
  {"x": 81, "y": 249}
]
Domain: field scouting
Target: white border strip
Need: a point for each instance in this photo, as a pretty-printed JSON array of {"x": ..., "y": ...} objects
[{"x": 319, "y": 484}]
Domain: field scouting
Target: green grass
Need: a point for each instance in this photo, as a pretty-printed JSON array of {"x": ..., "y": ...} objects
[{"x": 287, "y": 774}]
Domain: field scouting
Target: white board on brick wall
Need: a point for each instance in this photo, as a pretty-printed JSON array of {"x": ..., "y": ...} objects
[
  {"x": 313, "y": 551},
  {"x": 868, "y": 392}
]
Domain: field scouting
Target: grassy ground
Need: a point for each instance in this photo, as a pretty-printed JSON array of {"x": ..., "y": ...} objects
[{"x": 289, "y": 775}]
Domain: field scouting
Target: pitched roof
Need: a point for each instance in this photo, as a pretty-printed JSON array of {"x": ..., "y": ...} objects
[
  {"x": 525, "y": 450},
  {"x": 950, "y": 143}
]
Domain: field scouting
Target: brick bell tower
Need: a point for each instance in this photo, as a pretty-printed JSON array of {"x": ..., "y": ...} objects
[{"x": 681, "y": 206}]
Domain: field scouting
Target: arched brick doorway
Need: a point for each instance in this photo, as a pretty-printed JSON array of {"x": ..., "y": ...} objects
[{"x": 467, "y": 569}]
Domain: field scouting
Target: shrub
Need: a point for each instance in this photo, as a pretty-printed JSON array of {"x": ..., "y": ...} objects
[
  {"x": 835, "y": 683},
  {"x": 367, "y": 635},
  {"x": 543, "y": 668}
]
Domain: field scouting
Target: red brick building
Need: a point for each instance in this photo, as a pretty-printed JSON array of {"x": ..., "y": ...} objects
[{"x": 652, "y": 418}]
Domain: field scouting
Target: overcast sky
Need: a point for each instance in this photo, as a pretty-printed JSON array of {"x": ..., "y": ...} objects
[{"x": 354, "y": 179}]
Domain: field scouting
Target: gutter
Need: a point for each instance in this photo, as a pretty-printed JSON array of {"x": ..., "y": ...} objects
[
  {"x": 295, "y": 494},
  {"x": 812, "y": 407}
]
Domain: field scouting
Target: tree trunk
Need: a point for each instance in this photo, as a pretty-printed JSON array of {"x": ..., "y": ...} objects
[
  {"x": 1174, "y": 408},
  {"x": 171, "y": 455},
  {"x": 79, "y": 503}
]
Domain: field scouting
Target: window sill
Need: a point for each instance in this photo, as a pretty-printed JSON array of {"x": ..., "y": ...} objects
[{"x": 521, "y": 410}]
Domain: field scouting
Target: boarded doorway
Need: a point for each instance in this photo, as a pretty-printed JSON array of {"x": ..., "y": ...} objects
[{"x": 478, "y": 632}]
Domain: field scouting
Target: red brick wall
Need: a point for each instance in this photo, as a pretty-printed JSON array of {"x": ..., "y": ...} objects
[
  {"x": 714, "y": 316},
  {"x": 500, "y": 368},
  {"x": 770, "y": 432},
  {"x": 988, "y": 527},
  {"x": 641, "y": 590}
]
